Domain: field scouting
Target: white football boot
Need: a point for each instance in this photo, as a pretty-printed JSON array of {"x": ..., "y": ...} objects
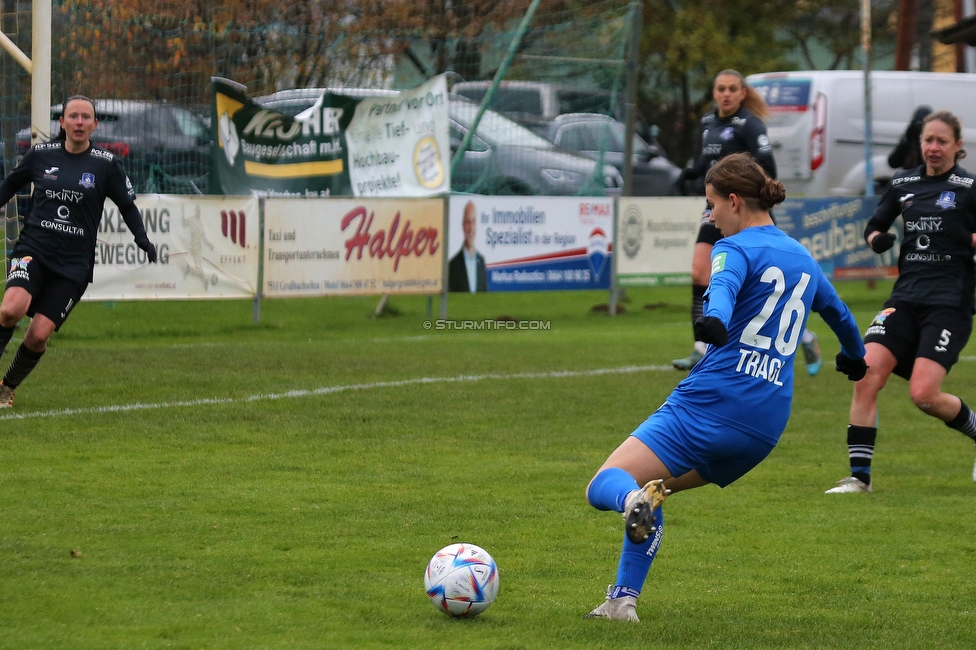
[
  {"x": 851, "y": 485},
  {"x": 617, "y": 609}
]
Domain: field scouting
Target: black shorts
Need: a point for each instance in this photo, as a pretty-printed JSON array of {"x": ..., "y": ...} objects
[
  {"x": 912, "y": 331},
  {"x": 52, "y": 295},
  {"x": 707, "y": 232}
]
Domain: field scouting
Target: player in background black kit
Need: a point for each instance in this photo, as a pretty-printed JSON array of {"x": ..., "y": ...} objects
[
  {"x": 907, "y": 154},
  {"x": 53, "y": 259},
  {"x": 927, "y": 320},
  {"x": 736, "y": 125}
]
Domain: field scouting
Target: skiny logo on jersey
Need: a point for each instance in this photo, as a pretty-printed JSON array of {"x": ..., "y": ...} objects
[
  {"x": 87, "y": 180},
  {"x": 65, "y": 196},
  {"x": 947, "y": 200}
]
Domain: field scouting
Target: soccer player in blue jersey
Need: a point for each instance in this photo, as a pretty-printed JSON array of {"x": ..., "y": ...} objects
[
  {"x": 737, "y": 124},
  {"x": 729, "y": 413}
]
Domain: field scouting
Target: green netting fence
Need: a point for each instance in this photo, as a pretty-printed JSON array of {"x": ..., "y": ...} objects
[{"x": 160, "y": 55}]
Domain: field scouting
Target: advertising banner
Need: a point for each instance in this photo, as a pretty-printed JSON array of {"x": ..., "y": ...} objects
[
  {"x": 657, "y": 239},
  {"x": 508, "y": 243},
  {"x": 207, "y": 247},
  {"x": 323, "y": 247},
  {"x": 400, "y": 145},
  {"x": 265, "y": 153},
  {"x": 832, "y": 229},
  {"x": 395, "y": 145}
]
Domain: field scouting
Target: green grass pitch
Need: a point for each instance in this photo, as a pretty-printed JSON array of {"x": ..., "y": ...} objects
[{"x": 174, "y": 475}]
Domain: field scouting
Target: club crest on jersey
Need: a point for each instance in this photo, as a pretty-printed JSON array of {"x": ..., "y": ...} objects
[
  {"x": 947, "y": 200},
  {"x": 727, "y": 133},
  {"x": 87, "y": 180}
]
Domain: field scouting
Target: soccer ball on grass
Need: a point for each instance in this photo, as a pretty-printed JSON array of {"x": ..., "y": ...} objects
[{"x": 461, "y": 580}]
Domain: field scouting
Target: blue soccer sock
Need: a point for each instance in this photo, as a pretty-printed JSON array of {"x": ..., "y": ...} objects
[
  {"x": 609, "y": 488},
  {"x": 635, "y": 560}
]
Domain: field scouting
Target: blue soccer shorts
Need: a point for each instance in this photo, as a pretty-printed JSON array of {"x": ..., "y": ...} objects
[{"x": 685, "y": 442}]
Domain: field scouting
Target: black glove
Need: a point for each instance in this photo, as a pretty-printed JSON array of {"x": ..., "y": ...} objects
[
  {"x": 709, "y": 329},
  {"x": 959, "y": 235},
  {"x": 147, "y": 246},
  {"x": 883, "y": 242},
  {"x": 853, "y": 368}
]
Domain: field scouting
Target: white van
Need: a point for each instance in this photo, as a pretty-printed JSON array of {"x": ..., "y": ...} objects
[{"x": 817, "y": 122}]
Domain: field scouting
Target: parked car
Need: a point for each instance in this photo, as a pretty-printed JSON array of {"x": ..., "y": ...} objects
[
  {"x": 535, "y": 104},
  {"x": 163, "y": 147},
  {"x": 503, "y": 157},
  {"x": 599, "y": 137}
]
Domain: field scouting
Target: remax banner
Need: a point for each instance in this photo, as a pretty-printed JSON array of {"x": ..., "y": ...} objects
[{"x": 505, "y": 243}]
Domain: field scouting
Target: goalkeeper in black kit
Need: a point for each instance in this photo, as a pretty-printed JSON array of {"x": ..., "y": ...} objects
[{"x": 52, "y": 261}]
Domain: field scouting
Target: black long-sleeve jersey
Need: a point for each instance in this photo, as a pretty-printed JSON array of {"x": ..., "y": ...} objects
[
  {"x": 69, "y": 193},
  {"x": 741, "y": 131},
  {"x": 935, "y": 265}
]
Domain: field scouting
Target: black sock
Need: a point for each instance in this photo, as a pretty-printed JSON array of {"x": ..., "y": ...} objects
[
  {"x": 860, "y": 449},
  {"x": 24, "y": 361},
  {"x": 5, "y": 335},
  {"x": 965, "y": 421},
  {"x": 697, "y": 302}
]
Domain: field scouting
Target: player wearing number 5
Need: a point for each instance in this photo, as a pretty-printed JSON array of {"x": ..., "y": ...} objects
[
  {"x": 729, "y": 413},
  {"x": 928, "y": 318}
]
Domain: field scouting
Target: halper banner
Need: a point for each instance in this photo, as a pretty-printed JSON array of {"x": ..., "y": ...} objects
[
  {"x": 329, "y": 247},
  {"x": 393, "y": 145},
  {"x": 529, "y": 243}
]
